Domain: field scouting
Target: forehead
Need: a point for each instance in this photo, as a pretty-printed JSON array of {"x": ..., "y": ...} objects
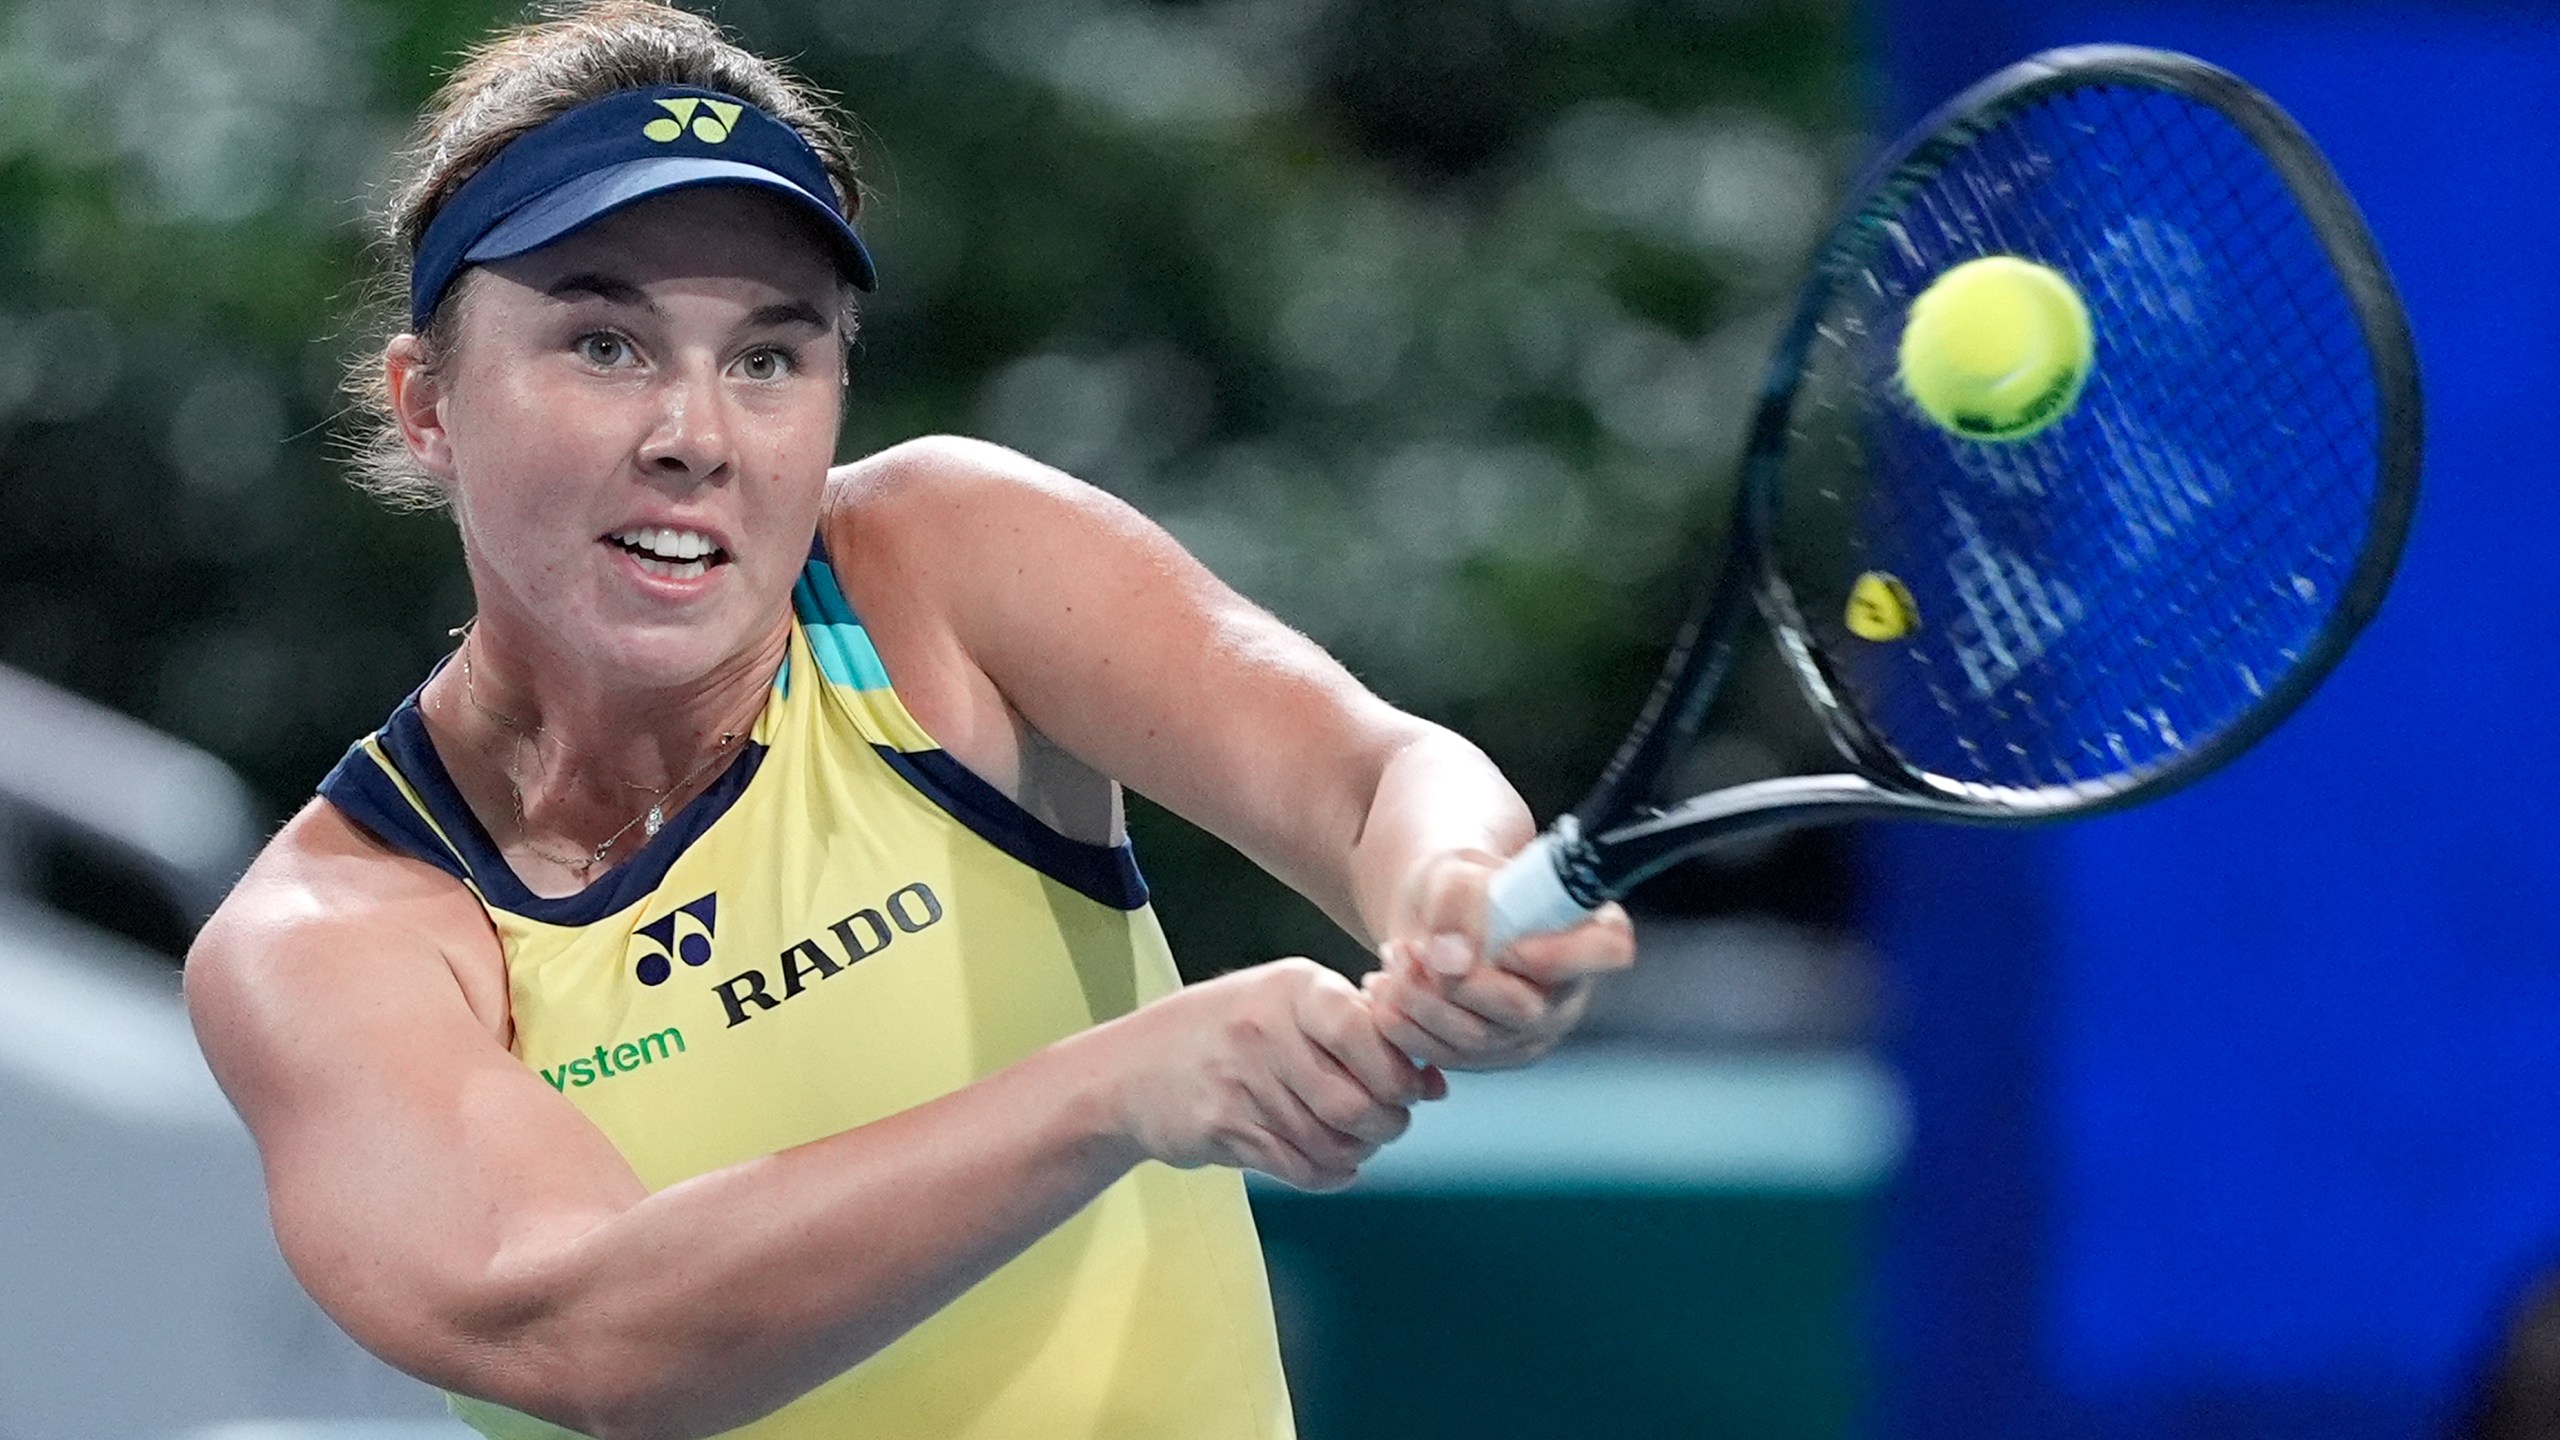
[{"x": 732, "y": 233}]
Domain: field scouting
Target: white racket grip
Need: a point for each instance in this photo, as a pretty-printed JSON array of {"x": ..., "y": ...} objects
[{"x": 1527, "y": 897}]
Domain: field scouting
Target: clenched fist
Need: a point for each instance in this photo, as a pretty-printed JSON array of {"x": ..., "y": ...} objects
[
  {"x": 1279, "y": 1068},
  {"x": 1440, "y": 999}
]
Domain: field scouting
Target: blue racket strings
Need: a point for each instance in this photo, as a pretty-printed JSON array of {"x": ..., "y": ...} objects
[{"x": 2099, "y": 600}]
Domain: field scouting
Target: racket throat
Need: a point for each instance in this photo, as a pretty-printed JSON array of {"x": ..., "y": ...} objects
[{"x": 1679, "y": 702}]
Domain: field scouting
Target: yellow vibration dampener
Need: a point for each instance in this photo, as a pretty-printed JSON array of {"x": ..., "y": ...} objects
[
  {"x": 1997, "y": 349},
  {"x": 1881, "y": 608}
]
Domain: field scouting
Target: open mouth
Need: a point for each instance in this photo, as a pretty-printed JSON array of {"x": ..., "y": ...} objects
[{"x": 670, "y": 554}]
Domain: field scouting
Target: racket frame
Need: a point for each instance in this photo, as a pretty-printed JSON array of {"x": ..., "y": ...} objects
[{"x": 1614, "y": 839}]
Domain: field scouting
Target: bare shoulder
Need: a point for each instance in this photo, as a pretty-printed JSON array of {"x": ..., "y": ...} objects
[
  {"x": 938, "y": 493},
  {"x": 947, "y": 466},
  {"x": 324, "y": 918},
  {"x": 351, "y": 1001},
  {"x": 951, "y": 550},
  {"x": 1062, "y": 609}
]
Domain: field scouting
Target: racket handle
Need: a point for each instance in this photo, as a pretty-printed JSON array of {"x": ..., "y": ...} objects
[{"x": 1528, "y": 896}]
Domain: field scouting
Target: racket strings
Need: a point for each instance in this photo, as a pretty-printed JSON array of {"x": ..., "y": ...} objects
[
  {"x": 2309, "y": 348},
  {"x": 2095, "y": 601}
]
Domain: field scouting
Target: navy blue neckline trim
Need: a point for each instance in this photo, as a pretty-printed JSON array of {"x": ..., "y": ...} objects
[
  {"x": 406, "y": 742},
  {"x": 365, "y": 793},
  {"x": 1105, "y": 874}
]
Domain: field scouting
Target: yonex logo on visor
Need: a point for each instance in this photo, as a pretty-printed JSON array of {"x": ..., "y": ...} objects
[
  {"x": 616, "y": 151},
  {"x": 710, "y": 128}
]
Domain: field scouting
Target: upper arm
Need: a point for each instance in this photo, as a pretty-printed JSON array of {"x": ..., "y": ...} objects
[
  {"x": 1106, "y": 636},
  {"x": 415, "y": 1169}
]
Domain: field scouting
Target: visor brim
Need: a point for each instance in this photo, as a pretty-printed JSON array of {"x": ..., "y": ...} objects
[{"x": 592, "y": 196}]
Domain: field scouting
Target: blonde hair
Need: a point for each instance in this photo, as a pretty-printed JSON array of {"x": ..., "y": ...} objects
[{"x": 515, "y": 82}]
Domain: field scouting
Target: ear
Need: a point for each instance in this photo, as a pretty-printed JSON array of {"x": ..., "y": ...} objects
[{"x": 417, "y": 405}]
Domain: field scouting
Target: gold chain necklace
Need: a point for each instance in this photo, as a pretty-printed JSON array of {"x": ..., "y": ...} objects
[{"x": 652, "y": 819}]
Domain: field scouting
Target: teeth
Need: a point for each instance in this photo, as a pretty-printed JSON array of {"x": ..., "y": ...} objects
[
  {"x": 673, "y": 569},
  {"x": 666, "y": 544}
]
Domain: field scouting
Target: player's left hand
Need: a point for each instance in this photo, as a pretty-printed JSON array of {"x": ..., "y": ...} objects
[{"x": 1436, "y": 995}]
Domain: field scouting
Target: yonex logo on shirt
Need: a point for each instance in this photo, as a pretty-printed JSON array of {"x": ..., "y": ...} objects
[
  {"x": 686, "y": 112},
  {"x": 676, "y": 940}
]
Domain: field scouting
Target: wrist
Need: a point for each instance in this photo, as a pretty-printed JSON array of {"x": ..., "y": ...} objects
[{"x": 1092, "y": 1087}]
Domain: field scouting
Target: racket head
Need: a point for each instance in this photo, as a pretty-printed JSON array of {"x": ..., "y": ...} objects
[{"x": 2129, "y": 599}]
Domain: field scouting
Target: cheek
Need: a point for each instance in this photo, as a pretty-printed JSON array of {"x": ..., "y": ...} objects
[
  {"x": 520, "y": 471},
  {"x": 517, "y": 449},
  {"x": 789, "y": 448}
]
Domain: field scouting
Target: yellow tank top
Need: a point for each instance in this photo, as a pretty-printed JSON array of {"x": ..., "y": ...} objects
[{"x": 848, "y": 924}]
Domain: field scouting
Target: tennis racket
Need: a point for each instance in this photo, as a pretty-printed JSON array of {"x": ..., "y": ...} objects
[{"x": 2089, "y": 617}]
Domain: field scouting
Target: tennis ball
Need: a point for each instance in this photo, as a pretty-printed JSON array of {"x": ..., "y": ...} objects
[{"x": 1997, "y": 348}]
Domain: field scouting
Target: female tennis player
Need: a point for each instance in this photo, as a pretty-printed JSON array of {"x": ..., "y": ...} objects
[{"x": 721, "y": 996}]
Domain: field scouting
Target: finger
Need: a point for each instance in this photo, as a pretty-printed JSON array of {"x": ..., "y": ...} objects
[
  {"x": 1336, "y": 1099},
  {"x": 1417, "y": 1017},
  {"x": 1420, "y": 1002},
  {"x": 1500, "y": 998},
  {"x": 1565, "y": 1006},
  {"x": 1448, "y": 954},
  {"x": 1434, "y": 1053},
  {"x": 1338, "y": 1019},
  {"x": 1326, "y": 1182},
  {"x": 1435, "y": 1030},
  {"x": 1600, "y": 945},
  {"x": 1444, "y": 954},
  {"x": 1322, "y": 1111},
  {"x": 1355, "y": 1117},
  {"x": 1341, "y": 1105},
  {"x": 1448, "y": 893},
  {"x": 1264, "y": 1149},
  {"x": 1448, "y": 909},
  {"x": 1261, "y": 1150},
  {"x": 1386, "y": 1004}
]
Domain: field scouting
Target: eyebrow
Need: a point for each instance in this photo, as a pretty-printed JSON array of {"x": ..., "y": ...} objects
[
  {"x": 788, "y": 312},
  {"x": 616, "y": 291},
  {"x": 603, "y": 287}
]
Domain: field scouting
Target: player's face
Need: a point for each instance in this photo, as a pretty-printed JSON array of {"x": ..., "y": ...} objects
[{"x": 640, "y": 417}]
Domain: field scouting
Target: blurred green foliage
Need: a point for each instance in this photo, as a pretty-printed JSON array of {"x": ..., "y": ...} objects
[{"x": 1430, "y": 324}]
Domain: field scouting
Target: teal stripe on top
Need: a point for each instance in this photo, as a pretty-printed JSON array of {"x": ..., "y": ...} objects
[{"x": 843, "y": 647}]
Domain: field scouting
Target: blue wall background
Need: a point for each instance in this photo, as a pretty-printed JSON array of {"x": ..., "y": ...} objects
[{"x": 2240, "y": 1115}]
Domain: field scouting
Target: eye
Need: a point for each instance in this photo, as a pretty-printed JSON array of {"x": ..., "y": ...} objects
[
  {"x": 765, "y": 364},
  {"x": 602, "y": 349}
]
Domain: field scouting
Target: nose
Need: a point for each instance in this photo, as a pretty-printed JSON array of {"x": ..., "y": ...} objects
[{"x": 689, "y": 441}]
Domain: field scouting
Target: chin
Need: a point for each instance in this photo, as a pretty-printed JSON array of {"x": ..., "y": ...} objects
[
  {"x": 673, "y": 656},
  {"x": 670, "y": 652}
]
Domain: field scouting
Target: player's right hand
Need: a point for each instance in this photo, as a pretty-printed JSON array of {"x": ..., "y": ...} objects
[{"x": 1279, "y": 1068}]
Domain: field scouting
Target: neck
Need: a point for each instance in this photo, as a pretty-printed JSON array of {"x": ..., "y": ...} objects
[{"x": 565, "y": 767}]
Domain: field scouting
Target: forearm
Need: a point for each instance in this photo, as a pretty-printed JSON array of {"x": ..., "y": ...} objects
[
  {"x": 1436, "y": 795},
  {"x": 719, "y": 1299}
]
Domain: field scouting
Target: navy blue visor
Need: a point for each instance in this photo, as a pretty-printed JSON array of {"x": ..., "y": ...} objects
[{"x": 609, "y": 153}]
